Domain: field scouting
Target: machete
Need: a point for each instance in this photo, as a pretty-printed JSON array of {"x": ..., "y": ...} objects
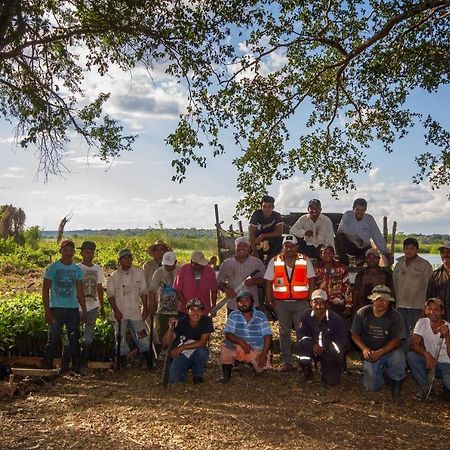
[
  {"x": 119, "y": 340},
  {"x": 426, "y": 390},
  {"x": 223, "y": 302},
  {"x": 168, "y": 359}
]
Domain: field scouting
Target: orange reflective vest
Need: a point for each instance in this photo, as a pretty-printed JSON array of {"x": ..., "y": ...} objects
[{"x": 296, "y": 287}]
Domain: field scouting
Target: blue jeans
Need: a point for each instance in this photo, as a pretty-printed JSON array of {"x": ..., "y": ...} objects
[
  {"x": 181, "y": 365},
  {"x": 394, "y": 363},
  {"x": 69, "y": 317},
  {"x": 420, "y": 372},
  {"x": 138, "y": 332},
  {"x": 410, "y": 317},
  {"x": 89, "y": 328}
]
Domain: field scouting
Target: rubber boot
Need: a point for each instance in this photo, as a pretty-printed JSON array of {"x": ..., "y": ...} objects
[
  {"x": 65, "y": 360},
  {"x": 85, "y": 353},
  {"x": 396, "y": 392},
  {"x": 305, "y": 373},
  {"x": 76, "y": 363},
  {"x": 147, "y": 362},
  {"x": 226, "y": 373}
]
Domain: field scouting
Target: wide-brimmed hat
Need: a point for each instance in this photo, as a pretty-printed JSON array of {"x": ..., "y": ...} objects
[
  {"x": 159, "y": 243},
  {"x": 381, "y": 291}
]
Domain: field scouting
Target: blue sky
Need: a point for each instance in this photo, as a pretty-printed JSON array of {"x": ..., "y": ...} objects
[{"x": 136, "y": 190}]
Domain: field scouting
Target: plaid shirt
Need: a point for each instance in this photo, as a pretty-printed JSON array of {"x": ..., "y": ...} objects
[{"x": 335, "y": 283}]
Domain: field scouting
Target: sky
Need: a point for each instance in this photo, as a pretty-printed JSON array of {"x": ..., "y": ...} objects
[{"x": 136, "y": 191}]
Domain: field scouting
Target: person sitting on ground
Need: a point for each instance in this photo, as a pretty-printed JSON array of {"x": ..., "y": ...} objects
[
  {"x": 265, "y": 230},
  {"x": 372, "y": 275},
  {"x": 289, "y": 283},
  {"x": 93, "y": 278},
  {"x": 190, "y": 336},
  {"x": 439, "y": 284},
  {"x": 127, "y": 293},
  {"x": 196, "y": 280},
  {"x": 321, "y": 337},
  {"x": 248, "y": 337},
  {"x": 430, "y": 348},
  {"x": 236, "y": 270},
  {"x": 62, "y": 293},
  {"x": 378, "y": 331},
  {"x": 411, "y": 276},
  {"x": 355, "y": 231},
  {"x": 313, "y": 231},
  {"x": 162, "y": 298}
]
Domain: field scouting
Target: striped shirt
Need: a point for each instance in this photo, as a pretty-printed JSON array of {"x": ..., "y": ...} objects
[
  {"x": 253, "y": 331},
  {"x": 439, "y": 287}
]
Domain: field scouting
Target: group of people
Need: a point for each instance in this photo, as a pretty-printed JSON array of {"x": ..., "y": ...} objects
[{"x": 301, "y": 279}]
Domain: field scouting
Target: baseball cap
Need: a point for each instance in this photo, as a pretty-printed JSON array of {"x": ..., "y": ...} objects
[
  {"x": 436, "y": 301},
  {"x": 290, "y": 238},
  {"x": 88, "y": 245},
  {"x": 169, "y": 259},
  {"x": 241, "y": 240},
  {"x": 65, "y": 243},
  {"x": 195, "y": 303},
  {"x": 445, "y": 245},
  {"x": 314, "y": 203},
  {"x": 199, "y": 258},
  {"x": 319, "y": 294},
  {"x": 381, "y": 291},
  {"x": 124, "y": 252},
  {"x": 244, "y": 294},
  {"x": 373, "y": 251}
]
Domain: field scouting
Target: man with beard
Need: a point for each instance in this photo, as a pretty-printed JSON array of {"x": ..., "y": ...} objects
[
  {"x": 237, "y": 269},
  {"x": 313, "y": 231},
  {"x": 439, "y": 284},
  {"x": 196, "y": 279},
  {"x": 322, "y": 337},
  {"x": 378, "y": 331},
  {"x": 430, "y": 348},
  {"x": 247, "y": 337},
  {"x": 373, "y": 275},
  {"x": 190, "y": 336}
]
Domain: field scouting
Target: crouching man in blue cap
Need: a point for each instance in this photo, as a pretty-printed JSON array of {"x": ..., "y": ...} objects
[
  {"x": 322, "y": 337},
  {"x": 378, "y": 330}
]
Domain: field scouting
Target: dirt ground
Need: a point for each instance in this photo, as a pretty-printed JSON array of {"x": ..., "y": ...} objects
[{"x": 131, "y": 410}]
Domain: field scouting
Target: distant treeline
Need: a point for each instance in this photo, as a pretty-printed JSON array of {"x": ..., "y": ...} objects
[{"x": 170, "y": 232}]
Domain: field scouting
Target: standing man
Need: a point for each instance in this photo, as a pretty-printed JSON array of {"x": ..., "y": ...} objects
[
  {"x": 322, "y": 337},
  {"x": 289, "y": 282},
  {"x": 411, "y": 276},
  {"x": 93, "y": 278},
  {"x": 313, "y": 231},
  {"x": 127, "y": 293},
  {"x": 191, "y": 334},
  {"x": 236, "y": 270},
  {"x": 62, "y": 292},
  {"x": 439, "y": 284},
  {"x": 430, "y": 348},
  {"x": 265, "y": 230},
  {"x": 163, "y": 300},
  {"x": 156, "y": 252},
  {"x": 356, "y": 230},
  {"x": 378, "y": 331},
  {"x": 248, "y": 337},
  {"x": 373, "y": 275},
  {"x": 196, "y": 280}
]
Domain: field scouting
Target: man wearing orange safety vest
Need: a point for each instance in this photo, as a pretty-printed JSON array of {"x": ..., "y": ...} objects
[{"x": 289, "y": 283}]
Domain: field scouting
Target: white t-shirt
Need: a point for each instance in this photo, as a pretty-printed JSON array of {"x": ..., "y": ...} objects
[
  {"x": 91, "y": 277},
  {"x": 432, "y": 341}
]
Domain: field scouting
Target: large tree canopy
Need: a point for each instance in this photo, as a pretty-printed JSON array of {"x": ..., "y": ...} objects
[{"x": 258, "y": 68}]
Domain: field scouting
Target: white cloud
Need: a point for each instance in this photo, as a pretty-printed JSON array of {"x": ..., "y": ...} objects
[
  {"x": 16, "y": 169},
  {"x": 416, "y": 208},
  {"x": 373, "y": 173},
  {"x": 8, "y": 140},
  {"x": 10, "y": 175},
  {"x": 94, "y": 162}
]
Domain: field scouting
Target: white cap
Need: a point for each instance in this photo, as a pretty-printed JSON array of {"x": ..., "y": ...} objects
[
  {"x": 169, "y": 259},
  {"x": 319, "y": 293},
  {"x": 199, "y": 258},
  {"x": 290, "y": 238},
  {"x": 241, "y": 240}
]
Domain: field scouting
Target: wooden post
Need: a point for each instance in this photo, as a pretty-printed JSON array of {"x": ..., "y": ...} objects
[
  {"x": 385, "y": 229},
  {"x": 219, "y": 237},
  {"x": 240, "y": 227},
  {"x": 394, "y": 230}
]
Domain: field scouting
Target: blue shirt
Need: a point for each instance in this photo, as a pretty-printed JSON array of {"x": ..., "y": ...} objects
[
  {"x": 64, "y": 277},
  {"x": 252, "y": 332}
]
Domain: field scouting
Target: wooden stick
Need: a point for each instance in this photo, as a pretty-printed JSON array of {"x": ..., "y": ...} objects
[
  {"x": 385, "y": 229},
  {"x": 219, "y": 237},
  {"x": 394, "y": 231}
]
